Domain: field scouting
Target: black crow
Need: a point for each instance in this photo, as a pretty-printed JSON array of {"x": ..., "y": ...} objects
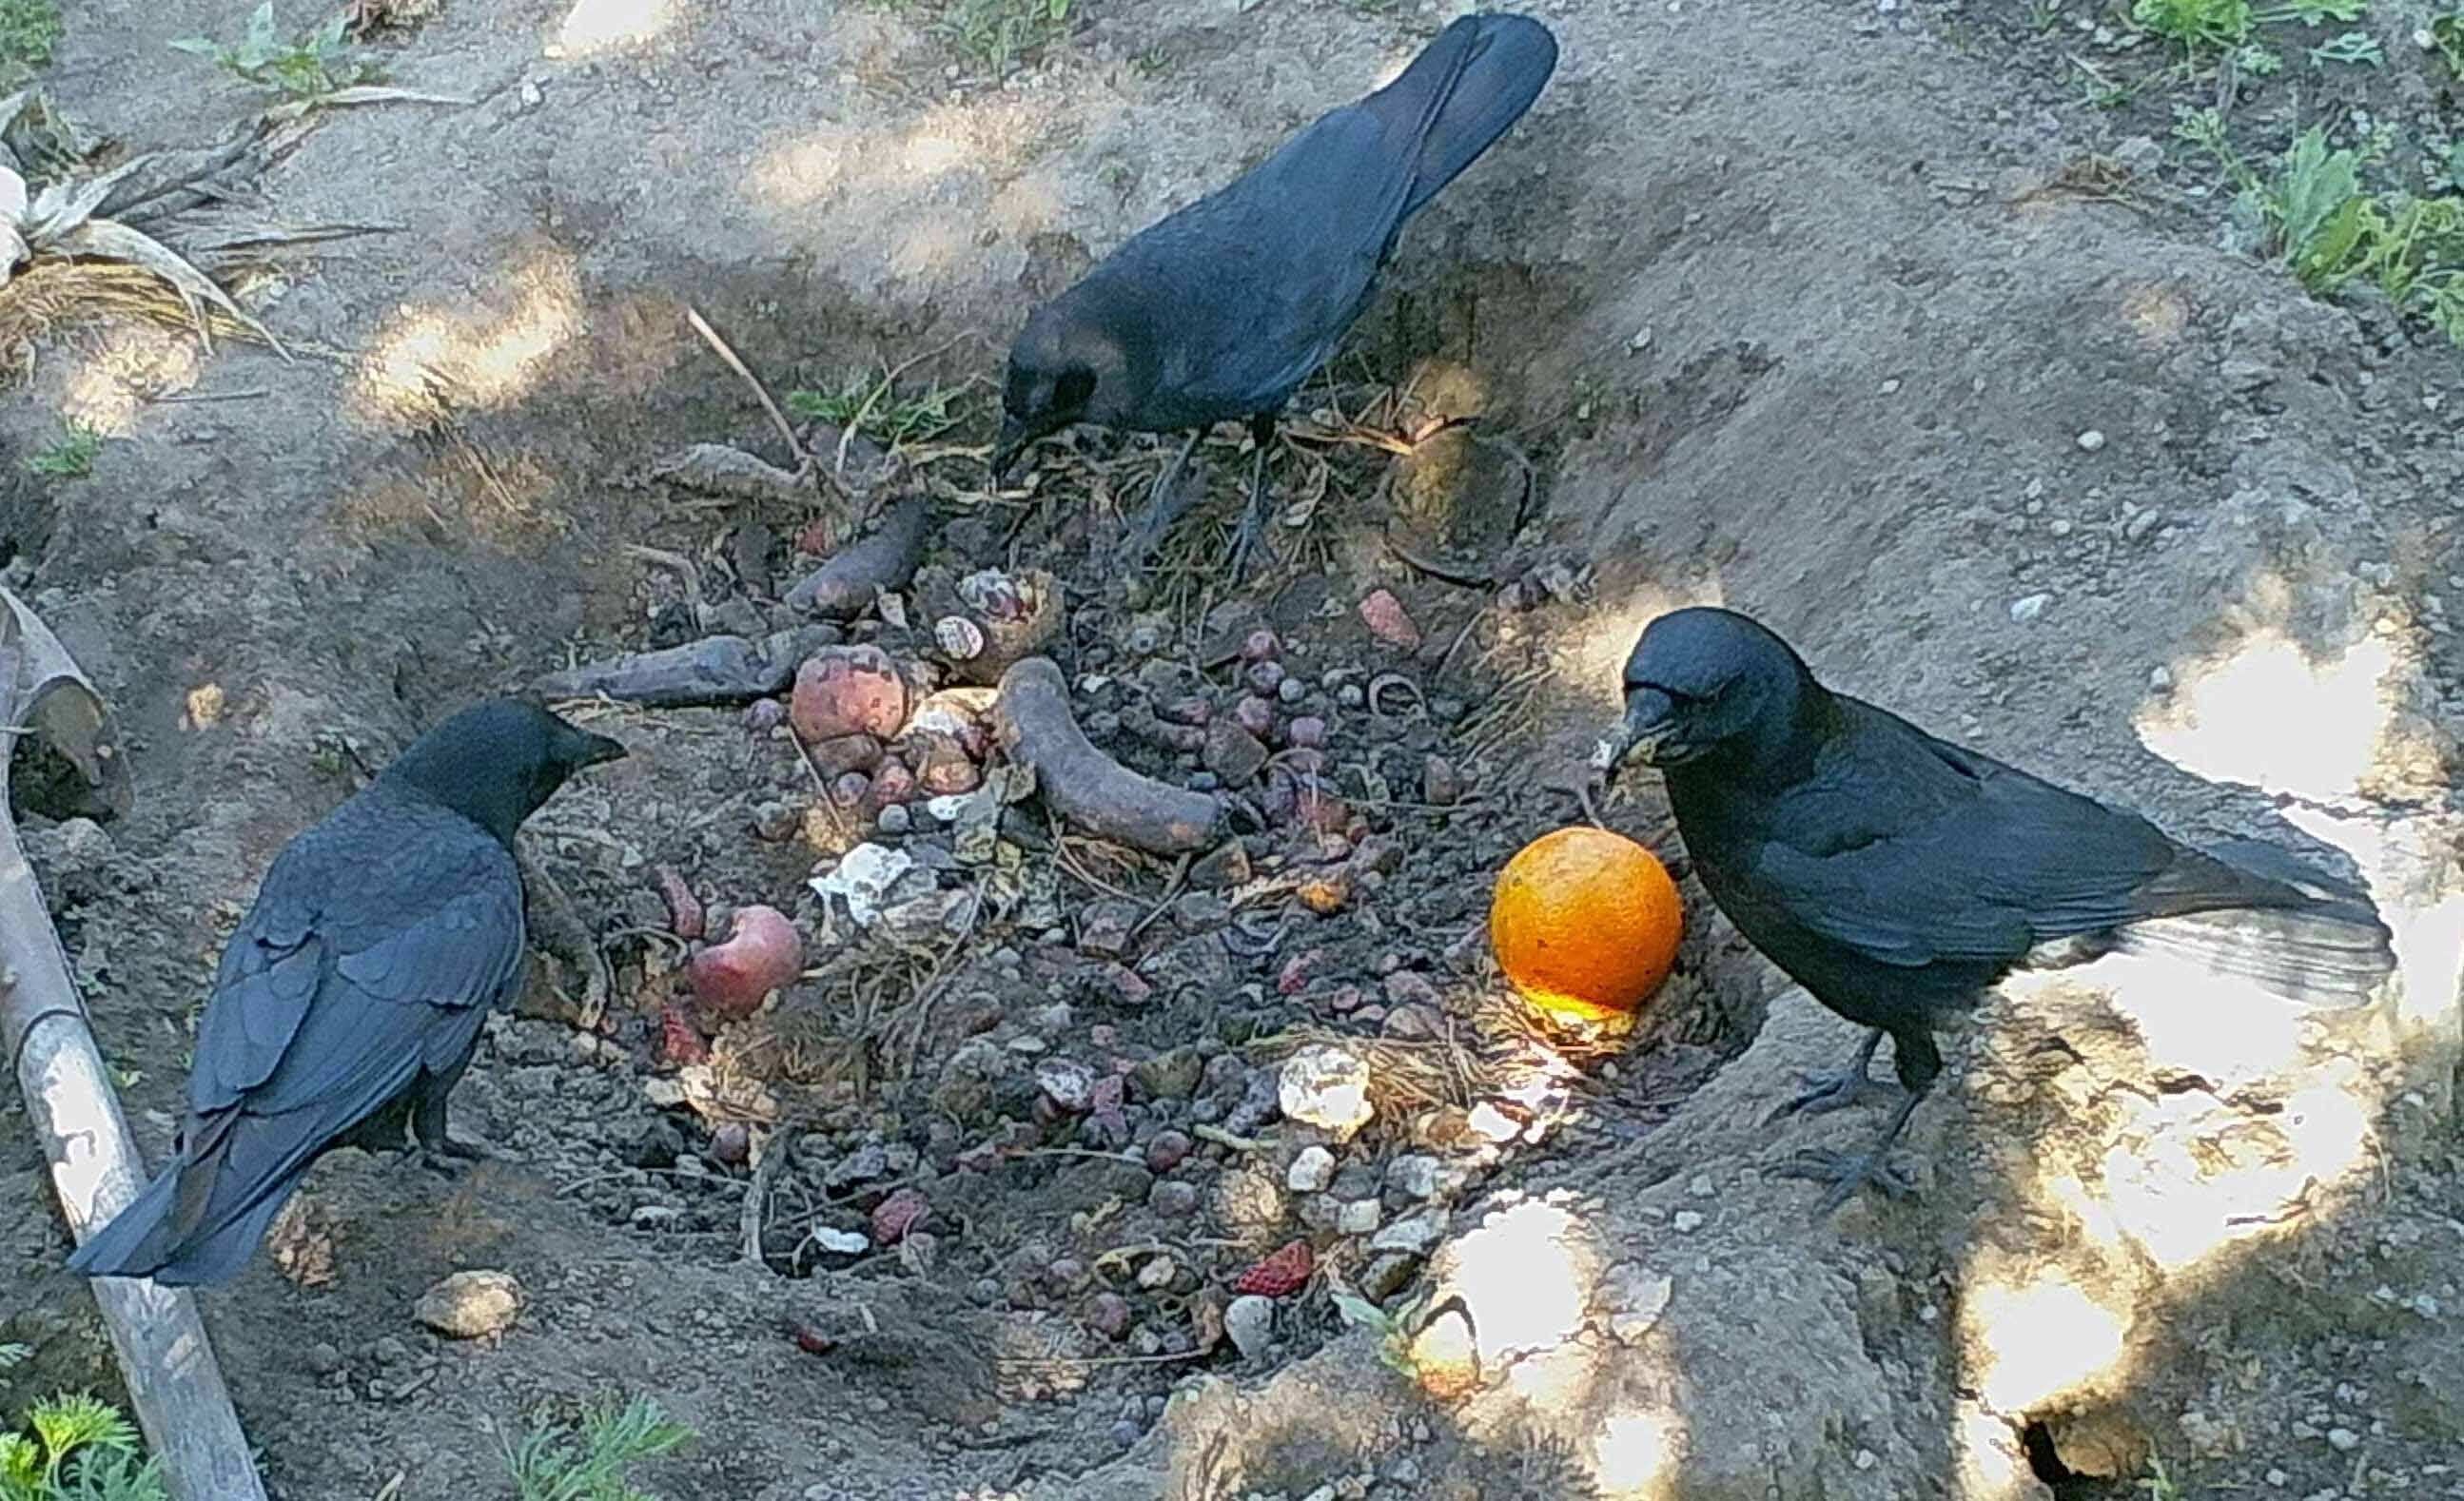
[
  {"x": 351, "y": 996},
  {"x": 1895, "y": 875},
  {"x": 1219, "y": 311}
]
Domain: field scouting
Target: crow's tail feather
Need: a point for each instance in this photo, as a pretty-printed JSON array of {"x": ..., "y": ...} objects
[
  {"x": 183, "y": 1245},
  {"x": 2328, "y": 955},
  {"x": 1464, "y": 90}
]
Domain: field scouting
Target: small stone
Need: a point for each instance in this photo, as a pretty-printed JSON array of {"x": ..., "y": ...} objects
[
  {"x": 1290, "y": 691},
  {"x": 841, "y": 1243},
  {"x": 2029, "y": 608},
  {"x": 1310, "y": 1171},
  {"x": 2090, "y": 441},
  {"x": 1688, "y": 1221},
  {"x": 1103, "y": 927},
  {"x": 324, "y": 1359},
  {"x": 1068, "y": 1083},
  {"x": 1249, "y": 1321},
  {"x": 1172, "y": 1199},
  {"x": 897, "y": 1216},
  {"x": 1439, "y": 781},
  {"x": 1701, "y": 1187},
  {"x": 1415, "y": 1234},
  {"x": 472, "y": 1305},
  {"x": 1386, "y": 619},
  {"x": 894, "y": 819},
  {"x": 1108, "y": 1314},
  {"x": 1233, "y": 753},
  {"x": 1166, "y": 1150},
  {"x": 1359, "y": 1217},
  {"x": 1387, "y": 1273},
  {"x": 2343, "y": 1440},
  {"x": 1157, "y": 1275},
  {"x": 1326, "y": 1087},
  {"x": 1413, "y": 1176},
  {"x": 1221, "y": 869}
]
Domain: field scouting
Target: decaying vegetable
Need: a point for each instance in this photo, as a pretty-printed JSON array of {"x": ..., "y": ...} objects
[
  {"x": 763, "y": 953},
  {"x": 845, "y": 586},
  {"x": 715, "y": 669},
  {"x": 848, "y": 691},
  {"x": 1083, "y": 785}
]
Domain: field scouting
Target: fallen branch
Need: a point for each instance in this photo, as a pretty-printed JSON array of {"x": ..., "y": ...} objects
[{"x": 174, "y": 1387}]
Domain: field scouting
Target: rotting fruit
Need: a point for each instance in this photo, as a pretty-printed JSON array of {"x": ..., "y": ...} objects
[{"x": 1585, "y": 924}]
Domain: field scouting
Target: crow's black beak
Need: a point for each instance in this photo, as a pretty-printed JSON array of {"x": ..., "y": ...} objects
[
  {"x": 1646, "y": 733},
  {"x": 598, "y": 748}
]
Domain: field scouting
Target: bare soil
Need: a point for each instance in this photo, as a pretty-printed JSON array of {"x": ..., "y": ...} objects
[{"x": 1809, "y": 309}]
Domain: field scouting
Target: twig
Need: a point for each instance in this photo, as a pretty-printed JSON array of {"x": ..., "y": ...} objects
[
  {"x": 1171, "y": 890},
  {"x": 205, "y": 396},
  {"x": 1224, "y": 1139},
  {"x": 675, "y": 562},
  {"x": 757, "y": 1191},
  {"x": 1468, "y": 581},
  {"x": 805, "y": 466}
]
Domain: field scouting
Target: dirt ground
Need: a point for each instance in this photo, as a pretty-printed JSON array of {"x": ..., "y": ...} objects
[{"x": 1862, "y": 318}]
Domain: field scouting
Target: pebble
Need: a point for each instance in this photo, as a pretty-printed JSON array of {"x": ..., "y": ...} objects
[
  {"x": 2343, "y": 1440},
  {"x": 1359, "y": 1217},
  {"x": 1310, "y": 1171},
  {"x": 1233, "y": 753},
  {"x": 1415, "y": 1234},
  {"x": 1166, "y": 1150},
  {"x": 841, "y": 1243},
  {"x": 1413, "y": 1174},
  {"x": 1701, "y": 1187},
  {"x": 1688, "y": 1221},
  {"x": 1292, "y": 691},
  {"x": 2091, "y": 440},
  {"x": 1108, "y": 1314},
  {"x": 1172, "y": 1199},
  {"x": 1249, "y": 1320},
  {"x": 1328, "y": 1088},
  {"x": 1439, "y": 781},
  {"x": 472, "y": 1305},
  {"x": 1156, "y": 1273},
  {"x": 2030, "y": 607},
  {"x": 894, "y": 819}
]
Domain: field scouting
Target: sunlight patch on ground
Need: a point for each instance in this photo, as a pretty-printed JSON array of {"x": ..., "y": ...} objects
[
  {"x": 2266, "y": 714},
  {"x": 1636, "y": 1454},
  {"x": 433, "y": 360},
  {"x": 2037, "y": 1339},
  {"x": 597, "y": 26},
  {"x": 136, "y": 363}
]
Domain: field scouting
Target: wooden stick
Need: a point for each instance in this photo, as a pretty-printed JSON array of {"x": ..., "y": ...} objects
[{"x": 174, "y": 1384}]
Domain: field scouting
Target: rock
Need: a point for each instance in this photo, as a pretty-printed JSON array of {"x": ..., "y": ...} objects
[
  {"x": 843, "y": 753},
  {"x": 1103, "y": 927},
  {"x": 1359, "y": 1217},
  {"x": 1326, "y": 1087},
  {"x": 897, "y": 1216},
  {"x": 834, "y": 1242},
  {"x": 1413, "y": 1174},
  {"x": 1068, "y": 1084},
  {"x": 1221, "y": 869},
  {"x": 1155, "y": 1273},
  {"x": 1386, "y": 619},
  {"x": 1415, "y": 1234},
  {"x": 852, "y": 690},
  {"x": 1439, "y": 781},
  {"x": 1166, "y": 1150},
  {"x": 1310, "y": 1171},
  {"x": 1636, "y": 1296},
  {"x": 1172, "y": 1199},
  {"x": 472, "y": 1305},
  {"x": 1387, "y": 1273},
  {"x": 1108, "y": 1314},
  {"x": 1249, "y": 1322},
  {"x": 1233, "y": 753},
  {"x": 1169, "y": 1077}
]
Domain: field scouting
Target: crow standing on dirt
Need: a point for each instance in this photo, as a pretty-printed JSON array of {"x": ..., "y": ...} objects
[
  {"x": 1219, "y": 312},
  {"x": 1895, "y": 876},
  {"x": 351, "y": 997}
]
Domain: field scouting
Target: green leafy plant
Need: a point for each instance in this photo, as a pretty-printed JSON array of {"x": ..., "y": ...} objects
[
  {"x": 72, "y": 457},
  {"x": 998, "y": 33},
  {"x": 2354, "y": 47},
  {"x": 29, "y": 31},
  {"x": 872, "y": 405},
  {"x": 590, "y": 1459},
  {"x": 1394, "y": 1331},
  {"x": 76, "y": 1448},
  {"x": 2447, "y": 34},
  {"x": 315, "y": 65},
  {"x": 2223, "y": 25}
]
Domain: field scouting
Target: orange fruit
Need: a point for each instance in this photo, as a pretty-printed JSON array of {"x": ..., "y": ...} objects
[{"x": 1585, "y": 924}]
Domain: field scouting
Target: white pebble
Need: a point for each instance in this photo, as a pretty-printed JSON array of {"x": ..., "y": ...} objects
[
  {"x": 2091, "y": 440},
  {"x": 1310, "y": 1171},
  {"x": 1688, "y": 1221},
  {"x": 2029, "y": 608}
]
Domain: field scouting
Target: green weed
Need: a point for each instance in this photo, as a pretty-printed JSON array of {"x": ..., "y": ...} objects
[
  {"x": 2226, "y": 25},
  {"x": 72, "y": 457},
  {"x": 2447, "y": 34},
  {"x": 998, "y": 33},
  {"x": 29, "y": 31},
  {"x": 1394, "y": 1331},
  {"x": 76, "y": 1448},
  {"x": 871, "y": 406},
  {"x": 2331, "y": 232},
  {"x": 315, "y": 65},
  {"x": 2158, "y": 1483},
  {"x": 589, "y": 1460}
]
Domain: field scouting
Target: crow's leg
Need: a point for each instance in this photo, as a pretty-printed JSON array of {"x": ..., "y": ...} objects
[
  {"x": 1920, "y": 1064},
  {"x": 1830, "y": 1092},
  {"x": 1165, "y": 507},
  {"x": 438, "y": 1151},
  {"x": 1253, "y": 518}
]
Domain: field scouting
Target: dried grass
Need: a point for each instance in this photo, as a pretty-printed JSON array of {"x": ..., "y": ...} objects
[{"x": 54, "y": 295}]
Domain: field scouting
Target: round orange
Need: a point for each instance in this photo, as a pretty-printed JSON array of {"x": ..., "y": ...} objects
[{"x": 1585, "y": 924}]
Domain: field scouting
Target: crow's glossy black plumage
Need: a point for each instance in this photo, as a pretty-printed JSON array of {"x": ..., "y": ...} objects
[
  {"x": 1895, "y": 876},
  {"x": 1219, "y": 312},
  {"x": 350, "y": 997}
]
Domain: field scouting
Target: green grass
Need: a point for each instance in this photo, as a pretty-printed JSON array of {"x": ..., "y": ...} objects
[
  {"x": 874, "y": 407},
  {"x": 29, "y": 31},
  {"x": 998, "y": 33},
  {"x": 2447, "y": 34},
  {"x": 72, "y": 457},
  {"x": 2158, "y": 1483},
  {"x": 76, "y": 1448},
  {"x": 317, "y": 64},
  {"x": 591, "y": 1458},
  {"x": 2232, "y": 26},
  {"x": 2331, "y": 232}
]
